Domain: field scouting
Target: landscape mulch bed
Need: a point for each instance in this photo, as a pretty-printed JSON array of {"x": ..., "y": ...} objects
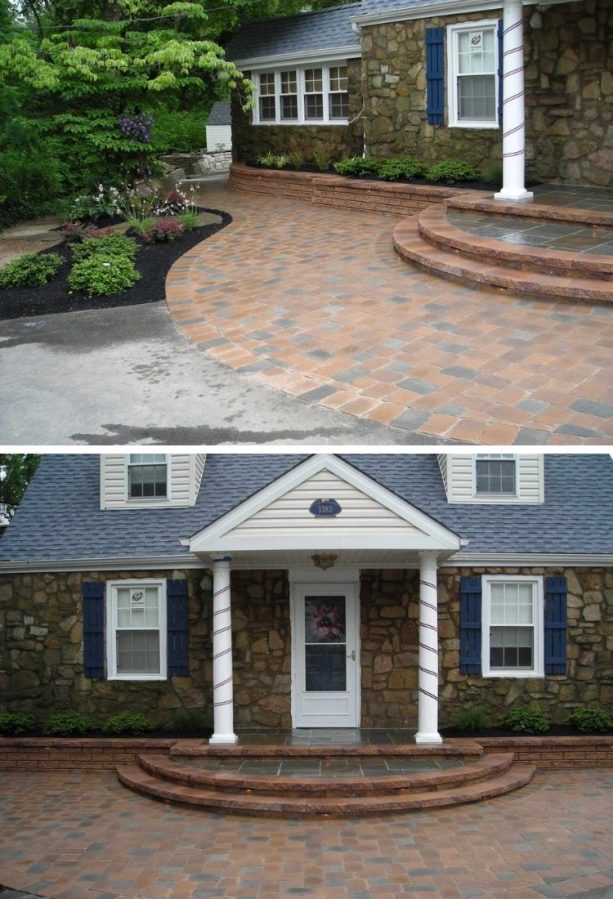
[
  {"x": 153, "y": 262},
  {"x": 556, "y": 730}
]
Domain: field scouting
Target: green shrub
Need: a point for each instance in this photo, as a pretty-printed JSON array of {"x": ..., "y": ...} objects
[
  {"x": 405, "y": 169},
  {"x": 31, "y": 270},
  {"x": 141, "y": 225},
  {"x": 358, "y": 166},
  {"x": 128, "y": 723},
  {"x": 188, "y": 723},
  {"x": 102, "y": 275},
  {"x": 109, "y": 245},
  {"x": 67, "y": 724},
  {"x": 527, "y": 720},
  {"x": 452, "y": 170},
  {"x": 163, "y": 230},
  {"x": 180, "y": 131},
  {"x": 592, "y": 720},
  {"x": 321, "y": 161},
  {"x": 189, "y": 220},
  {"x": 471, "y": 719},
  {"x": 31, "y": 183},
  {"x": 14, "y": 723},
  {"x": 296, "y": 159},
  {"x": 272, "y": 161}
]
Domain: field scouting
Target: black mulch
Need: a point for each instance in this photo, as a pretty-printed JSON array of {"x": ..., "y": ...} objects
[
  {"x": 153, "y": 262},
  {"x": 556, "y": 730}
]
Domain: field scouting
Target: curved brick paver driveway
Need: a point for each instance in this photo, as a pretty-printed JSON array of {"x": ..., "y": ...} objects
[
  {"x": 83, "y": 836},
  {"x": 315, "y": 302}
]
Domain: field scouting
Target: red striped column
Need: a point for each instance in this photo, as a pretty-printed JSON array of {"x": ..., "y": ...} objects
[
  {"x": 513, "y": 105},
  {"x": 427, "y": 725},
  {"x": 223, "y": 698}
]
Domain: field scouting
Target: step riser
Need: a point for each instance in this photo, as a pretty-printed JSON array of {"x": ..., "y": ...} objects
[
  {"x": 446, "y": 750},
  {"x": 350, "y": 787}
]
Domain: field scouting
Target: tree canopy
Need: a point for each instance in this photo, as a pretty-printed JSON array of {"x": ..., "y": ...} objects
[{"x": 16, "y": 471}]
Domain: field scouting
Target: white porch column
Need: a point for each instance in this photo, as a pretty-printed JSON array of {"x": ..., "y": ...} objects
[
  {"x": 223, "y": 700},
  {"x": 514, "y": 107},
  {"x": 427, "y": 729}
]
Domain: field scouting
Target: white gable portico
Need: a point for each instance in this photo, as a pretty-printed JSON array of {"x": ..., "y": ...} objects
[{"x": 323, "y": 521}]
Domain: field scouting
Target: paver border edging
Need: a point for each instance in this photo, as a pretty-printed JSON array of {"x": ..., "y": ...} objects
[{"x": 94, "y": 754}]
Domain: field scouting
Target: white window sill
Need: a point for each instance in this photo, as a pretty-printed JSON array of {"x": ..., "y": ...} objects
[
  {"x": 334, "y": 124},
  {"x": 514, "y": 674},
  {"x": 483, "y": 126},
  {"x": 139, "y": 677}
]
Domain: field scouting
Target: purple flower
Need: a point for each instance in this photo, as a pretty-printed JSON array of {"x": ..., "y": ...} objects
[{"x": 137, "y": 127}]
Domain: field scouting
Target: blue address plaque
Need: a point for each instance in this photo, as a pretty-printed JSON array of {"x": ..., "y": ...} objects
[{"x": 325, "y": 508}]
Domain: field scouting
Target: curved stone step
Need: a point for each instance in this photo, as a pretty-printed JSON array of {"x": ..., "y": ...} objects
[
  {"x": 410, "y": 245},
  {"x": 436, "y": 229},
  {"x": 488, "y": 766},
  {"x": 135, "y": 778}
]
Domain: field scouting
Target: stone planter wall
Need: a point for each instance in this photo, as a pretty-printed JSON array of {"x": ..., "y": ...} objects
[{"x": 569, "y": 93}]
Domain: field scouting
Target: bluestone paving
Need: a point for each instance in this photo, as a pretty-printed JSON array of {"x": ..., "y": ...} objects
[{"x": 525, "y": 845}]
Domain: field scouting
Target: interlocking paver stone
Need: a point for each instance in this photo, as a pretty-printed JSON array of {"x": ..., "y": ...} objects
[{"x": 323, "y": 286}]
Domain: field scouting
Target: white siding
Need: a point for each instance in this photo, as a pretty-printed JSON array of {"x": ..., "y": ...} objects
[
  {"x": 290, "y": 513},
  {"x": 442, "y": 464},
  {"x": 530, "y": 481},
  {"x": 218, "y": 137},
  {"x": 185, "y": 473}
]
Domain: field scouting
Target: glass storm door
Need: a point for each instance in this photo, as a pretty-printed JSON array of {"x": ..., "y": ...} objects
[{"x": 326, "y": 661}]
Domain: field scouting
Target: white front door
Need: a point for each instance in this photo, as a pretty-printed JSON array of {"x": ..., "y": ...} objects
[{"x": 326, "y": 658}]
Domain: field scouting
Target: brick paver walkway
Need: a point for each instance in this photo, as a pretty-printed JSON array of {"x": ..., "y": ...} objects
[
  {"x": 83, "y": 836},
  {"x": 314, "y": 301}
]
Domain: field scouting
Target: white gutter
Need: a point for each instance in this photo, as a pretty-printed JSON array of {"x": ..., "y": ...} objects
[
  {"x": 437, "y": 8},
  {"x": 114, "y": 563},
  {"x": 498, "y": 560},
  {"x": 298, "y": 57}
]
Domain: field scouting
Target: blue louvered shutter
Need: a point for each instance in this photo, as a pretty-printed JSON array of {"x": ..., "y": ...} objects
[
  {"x": 500, "y": 71},
  {"x": 470, "y": 625},
  {"x": 555, "y": 625},
  {"x": 435, "y": 75},
  {"x": 93, "y": 629},
  {"x": 178, "y": 628}
]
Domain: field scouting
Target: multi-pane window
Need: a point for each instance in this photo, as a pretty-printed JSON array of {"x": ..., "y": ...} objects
[
  {"x": 268, "y": 98},
  {"x": 339, "y": 96},
  {"x": 474, "y": 91},
  {"x": 289, "y": 96},
  {"x": 512, "y": 625},
  {"x": 136, "y": 620},
  {"x": 495, "y": 474},
  {"x": 147, "y": 476},
  {"x": 302, "y": 95}
]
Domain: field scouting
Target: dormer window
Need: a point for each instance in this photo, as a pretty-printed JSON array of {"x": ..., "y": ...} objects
[
  {"x": 495, "y": 475},
  {"x": 147, "y": 476}
]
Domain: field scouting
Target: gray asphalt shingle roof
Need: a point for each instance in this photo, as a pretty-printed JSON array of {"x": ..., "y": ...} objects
[
  {"x": 60, "y": 516},
  {"x": 374, "y": 6},
  {"x": 221, "y": 114},
  {"x": 326, "y": 29}
]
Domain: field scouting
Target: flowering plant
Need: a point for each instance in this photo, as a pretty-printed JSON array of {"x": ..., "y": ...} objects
[
  {"x": 164, "y": 229},
  {"x": 104, "y": 201},
  {"x": 174, "y": 203},
  {"x": 137, "y": 127},
  {"x": 327, "y": 623}
]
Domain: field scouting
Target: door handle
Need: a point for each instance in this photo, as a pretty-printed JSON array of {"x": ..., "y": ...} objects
[{"x": 352, "y": 656}]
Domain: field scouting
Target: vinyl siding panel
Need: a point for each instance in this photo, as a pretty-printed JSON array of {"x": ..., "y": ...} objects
[
  {"x": 530, "y": 481},
  {"x": 182, "y": 484},
  {"x": 198, "y": 461},
  {"x": 218, "y": 137},
  {"x": 290, "y": 513},
  {"x": 442, "y": 464}
]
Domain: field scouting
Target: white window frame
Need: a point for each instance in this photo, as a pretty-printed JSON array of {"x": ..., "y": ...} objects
[
  {"x": 111, "y": 619},
  {"x": 538, "y": 667},
  {"x": 148, "y": 500},
  {"x": 495, "y": 457},
  {"x": 301, "y": 84},
  {"x": 452, "y": 73}
]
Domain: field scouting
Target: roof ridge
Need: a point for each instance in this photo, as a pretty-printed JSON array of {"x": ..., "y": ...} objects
[{"x": 302, "y": 15}]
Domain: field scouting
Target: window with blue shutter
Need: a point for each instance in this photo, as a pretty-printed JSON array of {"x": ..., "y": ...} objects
[
  {"x": 178, "y": 629},
  {"x": 435, "y": 75},
  {"x": 470, "y": 625},
  {"x": 500, "y": 71},
  {"x": 555, "y": 625},
  {"x": 93, "y": 629}
]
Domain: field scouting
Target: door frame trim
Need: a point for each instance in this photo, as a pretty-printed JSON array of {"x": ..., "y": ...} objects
[{"x": 305, "y": 577}]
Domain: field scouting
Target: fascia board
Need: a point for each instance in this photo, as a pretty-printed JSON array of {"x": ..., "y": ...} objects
[
  {"x": 295, "y": 58},
  {"x": 438, "y": 8}
]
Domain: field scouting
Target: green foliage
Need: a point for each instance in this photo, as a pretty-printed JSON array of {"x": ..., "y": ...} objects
[
  {"x": 12, "y": 724},
  {"x": 188, "y": 723},
  {"x": 29, "y": 183},
  {"x": 321, "y": 161},
  {"x": 493, "y": 174},
  {"x": 593, "y": 720},
  {"x": 527, "y": 720},
  {"x": 358, "y": 166},
  {"x": 472, "y": 719},
  {"x": 17, "y": 470},
  {"x": 67, "y": 724},
  {"x": 296, "y": 160},
  {"x": 189, "y": 220},
  {"x": 31, "y": 270},
  {"x": 109, "y": 245},
  {"x": 180, "y": 131},
  {"x": 452, "y": 171},
  {"x": 102, "y": 275},
  {"x": 405, "y": 169},
  {"x": 163, "y": 230},
  {"x": 141, "y": 226},
  {"x": 272, "y": 161},
  {"x": 127, "y": 723},
  {"x": 104, "y": 201}
]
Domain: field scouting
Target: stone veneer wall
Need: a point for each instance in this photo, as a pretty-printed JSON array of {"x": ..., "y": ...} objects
[
  {"x": 41, "y": 650},
  {"x": 569, "y": 95},
  {"x": 336, "y": 141}
]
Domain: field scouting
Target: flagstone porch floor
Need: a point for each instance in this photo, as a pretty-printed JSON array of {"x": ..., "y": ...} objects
[
  {"x": 314, "y": 302},
  {"x": 599, "y": 198}
]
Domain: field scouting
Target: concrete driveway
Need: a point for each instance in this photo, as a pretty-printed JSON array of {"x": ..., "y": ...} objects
[{"x": 127, "y": 375}]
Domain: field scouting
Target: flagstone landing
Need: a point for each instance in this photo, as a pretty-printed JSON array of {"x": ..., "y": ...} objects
[{"x": 315, "y": 302}]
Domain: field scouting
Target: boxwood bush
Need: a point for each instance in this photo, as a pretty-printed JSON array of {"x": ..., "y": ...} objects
[
  {"x": 358, "y": 166},
  {"x": 101, "y": 275},
  {"x": 12, "y": 724},
  {"x": 527, "y": 720},
  {"x": 127, "y": 724},
  {"x": 451, "y": 171},
  {"x": 593, "y": 720},
  {"x": 67, "y": 724},
  {"x": 405, "y": 169},
  {"x": 31, "y": 270}
]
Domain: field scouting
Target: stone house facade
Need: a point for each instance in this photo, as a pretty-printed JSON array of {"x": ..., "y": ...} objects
[
  {"x": 405, "y": 99},
  {"x": 288, "y": 591}
]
